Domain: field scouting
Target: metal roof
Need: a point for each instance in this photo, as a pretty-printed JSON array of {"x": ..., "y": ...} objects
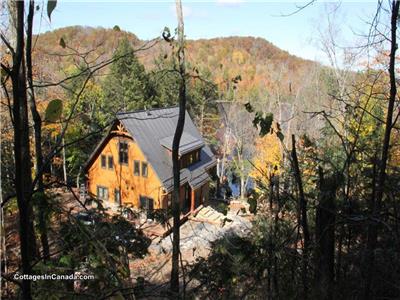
[
  {"x": 187, "y": 143},
  {"x": 154, "y": 129}
]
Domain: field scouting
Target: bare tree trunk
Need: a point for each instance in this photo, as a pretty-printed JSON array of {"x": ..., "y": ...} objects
[
  {"x": 3, "y": 255},
  {"x": 78, "y": 178},
  {"x": 270, "y": 253},
  {"x": 303, "y": 217},
  {"x": 222, "y": 168},
  {"x": 23, "y": 179},
  {"x": 202, "y": 119},
  {"x": 64, "y": 162},
  {"x": 271, "y": 192},
  {"x": 276, "y": 227},
  {"x": 37, "y": 126},
  {"x": 174, "y": 283},
  {"x": 373, "y": 226},
  {"x": 325, "y": 237},
  {"x": 242, "y": 184}
]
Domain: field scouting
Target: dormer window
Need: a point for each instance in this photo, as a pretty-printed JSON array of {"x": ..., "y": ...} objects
[{"x": 189, "y": 159}]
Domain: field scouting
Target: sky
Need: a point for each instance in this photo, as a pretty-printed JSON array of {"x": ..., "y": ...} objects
[{"x": 298, "y": 34}]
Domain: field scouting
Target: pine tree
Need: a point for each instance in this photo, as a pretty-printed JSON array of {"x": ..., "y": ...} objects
[{"x": 127, "y": 86}]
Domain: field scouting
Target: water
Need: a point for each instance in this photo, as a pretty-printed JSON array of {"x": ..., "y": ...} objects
[{"x": 235, "y": 187}]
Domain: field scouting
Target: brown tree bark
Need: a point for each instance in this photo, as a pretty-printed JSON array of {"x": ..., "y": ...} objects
[
  {"x": 303, "y": 217},
  {"x": 37, "y": 127},
  {"x": 23, "y": 179},
  {"x": 174, "y": 283}
]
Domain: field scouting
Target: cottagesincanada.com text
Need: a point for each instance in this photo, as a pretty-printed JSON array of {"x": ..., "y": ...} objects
[{"x": 37, "y": 277}]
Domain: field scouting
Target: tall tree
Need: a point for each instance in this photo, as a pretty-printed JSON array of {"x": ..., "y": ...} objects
[
  {"x": 23, "y": 176},
  {"x": 381, "y": 180},
  {"x": 37, "y": 126},
  {"x": 303, "y": 219},
  {"x": 127, "y": 87},
  {"x": 176, "y": 211}
]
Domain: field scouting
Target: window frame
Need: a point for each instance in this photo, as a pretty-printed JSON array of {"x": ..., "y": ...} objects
[
  {"x": 189, "y": 159},
  {"x": 134, "y": 167},
  {"x": 144, "y": 204},
  {"x": 123, "y": 155},
  {"x": 103, "y": 189},
  {"x": 146, "y": 168},
  {"x": 110, "y": 158},
  {"x": 119, "y": 200},
  {"x": 103, "y": 158},
  {"x": 197, "y": 156}
]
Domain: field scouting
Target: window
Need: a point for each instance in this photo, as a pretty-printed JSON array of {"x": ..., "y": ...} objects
[
  {"x": 197, "y": 156},
  {"x": 144, "y": 169},
  {"x": 136, "y": 168},
  {"x": 110, "y": 162},
  {"x": 189, "y": 159},
  {"x": 102, "y": 193},
  {"x": 103, "y": 161},
  {"x": 117, "y": 196},
  {"x": 143, "y": 202},
  {"x": 147, "y": 204},
  {"x": 123, "y": 153}
]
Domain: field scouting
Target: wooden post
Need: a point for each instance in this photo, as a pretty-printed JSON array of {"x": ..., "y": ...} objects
[{"x": 192, "y": 203}]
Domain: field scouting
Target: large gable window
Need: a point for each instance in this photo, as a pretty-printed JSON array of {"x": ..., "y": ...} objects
[{"x": 123, "y": 153}]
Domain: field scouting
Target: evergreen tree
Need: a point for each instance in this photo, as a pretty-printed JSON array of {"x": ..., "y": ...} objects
[
  {"x": 165, "y": 81},
  {"x": 201, "y": 92},
  {"x": 127, "y": 86}
]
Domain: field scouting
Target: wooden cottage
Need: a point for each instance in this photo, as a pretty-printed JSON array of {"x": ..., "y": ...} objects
[{"x": 132, "y": 165}]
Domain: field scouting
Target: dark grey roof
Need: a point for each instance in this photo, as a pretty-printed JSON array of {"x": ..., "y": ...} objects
[
  {"x": 153, "y": 128},
  {"x": 187, "y": 143}
]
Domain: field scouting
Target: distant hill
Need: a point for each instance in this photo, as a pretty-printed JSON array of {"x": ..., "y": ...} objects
[
  {"x": 255, "y": 59},
  {"x": 273, "y": 78}
]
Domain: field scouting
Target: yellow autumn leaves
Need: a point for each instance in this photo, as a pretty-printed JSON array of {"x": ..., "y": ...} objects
[{"x": 268, "y": 158}]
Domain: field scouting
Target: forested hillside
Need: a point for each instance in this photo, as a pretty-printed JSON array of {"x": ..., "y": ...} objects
[
  {"x": 266, "y": 76},
  {"x": 262, "y": 66},
  {"x": 255, "y": 57},
  {"x": 287, "y": 186}
]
